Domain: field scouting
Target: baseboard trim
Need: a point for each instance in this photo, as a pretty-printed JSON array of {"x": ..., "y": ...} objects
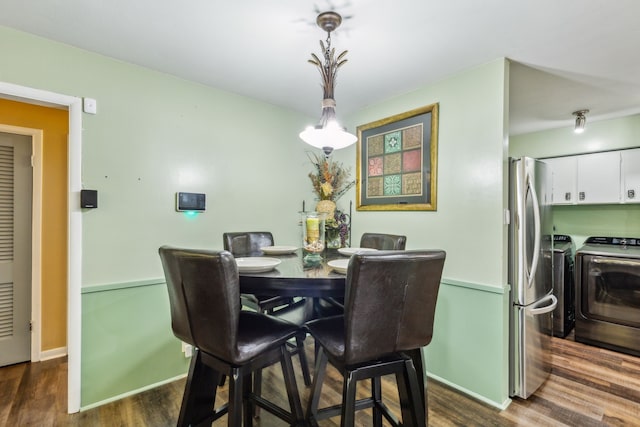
[
  {"x": 132, "y": 392},
  {"x": 53, "y": 353},
  {"x": 502, "y": 406}
]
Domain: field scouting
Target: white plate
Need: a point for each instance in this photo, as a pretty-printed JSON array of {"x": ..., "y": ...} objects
[
  {"x": 339, "y": 265},
  {"x": 279, "y": 250},
  {"x": 352, "y": 251},
  {"x": 256, "y": 264}
]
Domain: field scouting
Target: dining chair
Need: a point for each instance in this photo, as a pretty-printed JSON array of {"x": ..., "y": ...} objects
[
  {"x": 205, "y": 312},
  {"x": 249, "y": 243},
  {"x": 334, "y": 306},
  {"x": 382, "y": 241},
  {"x": 390, "y": 306}
]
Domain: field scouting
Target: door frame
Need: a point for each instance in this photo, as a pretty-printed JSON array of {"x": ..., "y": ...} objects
[
  {"x": 74, "y": 219},
  {"x": 36, "y": 234}
]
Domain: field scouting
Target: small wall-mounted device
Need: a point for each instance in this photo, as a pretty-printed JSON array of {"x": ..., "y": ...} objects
[
  {"x": 89, "y": 199},
  {"x": 194, "y": 202}
]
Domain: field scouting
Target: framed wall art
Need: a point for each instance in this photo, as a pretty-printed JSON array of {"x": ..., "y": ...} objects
[{"x": 397, "y": 162}]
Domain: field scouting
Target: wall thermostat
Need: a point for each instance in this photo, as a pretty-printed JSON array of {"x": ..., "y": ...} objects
[{"x": 190, "y": 202}]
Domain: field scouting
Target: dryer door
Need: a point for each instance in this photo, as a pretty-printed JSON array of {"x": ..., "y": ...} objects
[{"x": 611, "y": 289}]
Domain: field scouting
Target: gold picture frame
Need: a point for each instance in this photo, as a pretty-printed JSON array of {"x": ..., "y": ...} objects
[{"x": 396, "y": 166}]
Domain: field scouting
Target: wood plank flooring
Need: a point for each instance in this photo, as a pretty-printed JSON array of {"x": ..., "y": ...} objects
[{"x": 589, "y": 386}]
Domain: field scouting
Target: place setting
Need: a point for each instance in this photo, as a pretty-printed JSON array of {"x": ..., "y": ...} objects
[
  {"x": 279, "y": 250},
  {"x": 256, "y": 264}
]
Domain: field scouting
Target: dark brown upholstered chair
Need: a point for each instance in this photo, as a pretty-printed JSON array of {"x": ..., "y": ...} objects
[
  {"x": 390, "y": 305},
  {"x": 205, "y": 312},
  {"x": 333, "y": 306},
  {"x": 248, "y": 243},
  {"x": 383, "y": 242}
]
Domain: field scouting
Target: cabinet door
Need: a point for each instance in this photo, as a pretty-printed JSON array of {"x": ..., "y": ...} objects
[
  {"x": 599, "y": 178},
  {"x": 564, "y": 179},
  {"x": 631, "y": 175}
]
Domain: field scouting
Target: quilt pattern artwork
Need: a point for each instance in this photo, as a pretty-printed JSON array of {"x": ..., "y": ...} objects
[{"x": 395, "y": 163}]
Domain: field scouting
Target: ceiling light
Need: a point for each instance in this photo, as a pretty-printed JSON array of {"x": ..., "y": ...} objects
[
  {"x": 580, "y": 120},
  {"x": 328, "y": 134}
]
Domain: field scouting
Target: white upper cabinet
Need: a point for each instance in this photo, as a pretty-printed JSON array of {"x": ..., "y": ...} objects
[
  {"x": 564, "y": 179},
  {"x": 599, "y": 178},
  {"x": 631, "y": 176}
]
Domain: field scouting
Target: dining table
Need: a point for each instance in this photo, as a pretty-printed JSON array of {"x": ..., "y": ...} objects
[{"x": 296, "y": 276}]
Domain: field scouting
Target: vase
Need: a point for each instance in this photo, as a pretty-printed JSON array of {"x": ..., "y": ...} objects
[
  {"x": 327, "y": 207},
  {"x": 334, "y": 241},
  {"x": 313, "y": 237}
]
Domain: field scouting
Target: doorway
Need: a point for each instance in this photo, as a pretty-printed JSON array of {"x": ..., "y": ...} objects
[{"x": 74, "y": 220}]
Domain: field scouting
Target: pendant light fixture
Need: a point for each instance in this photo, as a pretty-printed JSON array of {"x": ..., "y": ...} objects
[
  {"x": 581, "y": 120},
  {"x": 328, "y": 134}
]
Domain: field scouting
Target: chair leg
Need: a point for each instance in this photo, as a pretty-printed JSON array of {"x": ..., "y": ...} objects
[
  {"x": 318, "y": 378},
  {"x": 348, "y": 400},
  {"x": 257, "y": 390},
  {"x": 376, "y": 394},
  {"x": 410, "y": 396},
  {"x": 418, "y": 364},
  {"x": 304, "y": 364},
  {"x": 290, "y": 384},
  {"x": 235, "y": 398},
  {"x": 199, "y": 393},
  {"x": 248, "y": 406}
]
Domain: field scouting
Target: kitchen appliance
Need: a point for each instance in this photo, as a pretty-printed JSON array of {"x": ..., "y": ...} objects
[
  {"x": 531, "y": 279},
  {"x": 563, "y": 285},
  {"x": 608, "y": 293}
]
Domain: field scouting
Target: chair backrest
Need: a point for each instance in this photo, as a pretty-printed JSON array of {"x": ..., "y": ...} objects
[
  {"x": 384, "y": 242},
  {"x": 390, "y": 302},
  {"x": 204, "y": 298},
  {"x": 247, "y": 243}
]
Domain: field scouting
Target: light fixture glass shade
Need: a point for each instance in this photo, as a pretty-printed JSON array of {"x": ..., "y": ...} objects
[
  {"x": 328, "y": 138},
  {"x": 328, "y": 134}
]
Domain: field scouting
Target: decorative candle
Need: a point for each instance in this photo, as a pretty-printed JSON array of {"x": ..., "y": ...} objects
[{"x": 313, "y": 229}]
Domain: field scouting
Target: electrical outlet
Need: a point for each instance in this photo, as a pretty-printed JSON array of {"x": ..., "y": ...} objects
[{"x": 187, "y": 349}]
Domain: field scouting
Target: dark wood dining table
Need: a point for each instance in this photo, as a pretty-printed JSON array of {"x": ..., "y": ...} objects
[{"x": 295, "y": 278}]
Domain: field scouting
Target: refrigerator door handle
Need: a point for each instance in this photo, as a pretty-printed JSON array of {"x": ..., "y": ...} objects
[
  {"x": 540, "y": 307},
  {"x": 536, "y": 225}
]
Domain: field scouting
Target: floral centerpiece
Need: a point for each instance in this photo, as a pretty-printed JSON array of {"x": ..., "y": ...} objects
[{"x": 330, "y": 180}]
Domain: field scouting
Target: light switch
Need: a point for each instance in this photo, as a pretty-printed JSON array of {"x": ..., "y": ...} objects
[{"x": 89, "y": 105}]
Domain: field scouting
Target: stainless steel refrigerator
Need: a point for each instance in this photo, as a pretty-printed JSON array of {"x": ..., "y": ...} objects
[{"x": 530, "y": 275}]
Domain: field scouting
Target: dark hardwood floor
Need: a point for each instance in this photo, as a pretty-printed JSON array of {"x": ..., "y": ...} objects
[{"x": 589, "y": 386}]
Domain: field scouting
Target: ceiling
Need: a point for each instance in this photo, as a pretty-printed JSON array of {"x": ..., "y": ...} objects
[{"x": 568, "y": 55}]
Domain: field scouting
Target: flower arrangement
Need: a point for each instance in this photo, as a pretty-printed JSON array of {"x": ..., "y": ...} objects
[
  {"x": 337, "y": 229},
  {"x": 330, "y": 179}
]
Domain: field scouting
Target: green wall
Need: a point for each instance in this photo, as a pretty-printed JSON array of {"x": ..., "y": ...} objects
[
  {"x": 155, "y": 135},
  {"x": 470, "y": 344},
  {"x": 583, "y": 221},
  {"x": 127, "y": 343}
]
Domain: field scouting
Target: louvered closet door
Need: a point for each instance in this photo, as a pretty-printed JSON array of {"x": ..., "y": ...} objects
[{"x": 15, "y": 248}]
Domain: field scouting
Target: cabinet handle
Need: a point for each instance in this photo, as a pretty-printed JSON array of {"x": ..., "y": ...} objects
[
  {"x": 567, "y": 196},
  {"x": 581, "y": 195},
  {"x": 631, "y": 194}
]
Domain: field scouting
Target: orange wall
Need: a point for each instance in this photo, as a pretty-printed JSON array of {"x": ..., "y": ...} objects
[{"x": 55, "y": 125}]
